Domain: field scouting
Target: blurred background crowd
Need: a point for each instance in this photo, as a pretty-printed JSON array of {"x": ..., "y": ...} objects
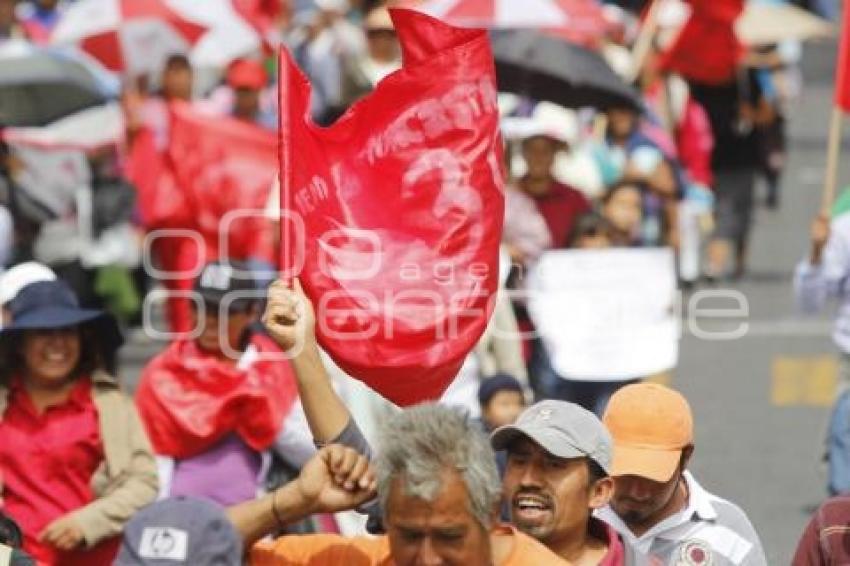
[{"x": 617, "y": 135}]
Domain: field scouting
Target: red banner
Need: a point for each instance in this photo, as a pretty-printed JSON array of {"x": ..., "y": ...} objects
[
  {"x": 213, "y": 180},
  {"x": 842, "y": 71},
  {"x": 225, "y": 167},
  {"x": 401, "y": 203},
  {"x": 707, "y": 49}
]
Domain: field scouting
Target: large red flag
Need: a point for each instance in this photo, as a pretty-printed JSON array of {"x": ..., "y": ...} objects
[
  {"x": 401, "y": 203},
  {"x": 842, "y": 71},
  {"x": 707, "y": 49}
]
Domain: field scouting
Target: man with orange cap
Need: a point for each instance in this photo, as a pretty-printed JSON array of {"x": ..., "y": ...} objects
[{"x": 658, "y": 506}]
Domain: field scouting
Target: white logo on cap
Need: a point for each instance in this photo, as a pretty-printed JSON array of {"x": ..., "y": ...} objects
[
  {"x": 164, "y": 543},
  {"x": 544, "y": 414},
  {"x": 217, "y": 277}
]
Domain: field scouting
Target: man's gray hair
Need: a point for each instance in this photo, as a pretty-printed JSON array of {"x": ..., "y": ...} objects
[{"x": 418, "y": 445}]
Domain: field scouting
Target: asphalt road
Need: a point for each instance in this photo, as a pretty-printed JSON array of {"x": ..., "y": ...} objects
[{"x": 760, "y": 401}]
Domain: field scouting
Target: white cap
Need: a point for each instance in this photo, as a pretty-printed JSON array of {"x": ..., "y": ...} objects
[
  {"x": 18, "y": 277},
  {"x": 341, "y": 6},
  {"x": 548, "y": 120}
]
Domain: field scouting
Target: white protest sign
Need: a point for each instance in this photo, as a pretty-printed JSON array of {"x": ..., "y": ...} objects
[{"x": 606, "y": 315}]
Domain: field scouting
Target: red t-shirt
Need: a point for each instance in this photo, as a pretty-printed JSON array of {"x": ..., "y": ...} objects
[
  {"x": 560, "y": 208},
  {"x": 616, "y": 555},
  {"x": 47, "y": 461}
]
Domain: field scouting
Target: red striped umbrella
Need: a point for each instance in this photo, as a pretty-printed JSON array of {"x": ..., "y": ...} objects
[
  {"x": 581, "y": 21},
  {"x": 134, "y": 36}
]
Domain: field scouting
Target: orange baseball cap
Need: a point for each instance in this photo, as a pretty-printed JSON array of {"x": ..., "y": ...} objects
[{"x": 650, "y": 425}]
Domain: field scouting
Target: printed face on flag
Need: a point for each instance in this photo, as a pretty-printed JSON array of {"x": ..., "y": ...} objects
[{"x": 401, "y": 203}]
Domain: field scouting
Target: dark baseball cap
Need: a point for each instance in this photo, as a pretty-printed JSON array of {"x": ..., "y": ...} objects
[
  {"x": 499, "y": 382},
  {"x": 227, "y": 282},
  {"x": 180, "y": 530}
]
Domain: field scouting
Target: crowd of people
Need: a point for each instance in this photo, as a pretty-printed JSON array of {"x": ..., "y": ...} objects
[{"x": 229, "y": 451}]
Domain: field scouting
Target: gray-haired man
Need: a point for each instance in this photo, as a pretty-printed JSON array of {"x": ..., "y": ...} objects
[
  {"x": 439, "y": 488},
  {"x": 438, "y": 482}
]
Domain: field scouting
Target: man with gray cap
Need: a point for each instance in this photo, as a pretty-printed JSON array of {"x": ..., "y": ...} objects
[
  {"x": 180, "y": 530},
  {"x": 559, "y": 458}
]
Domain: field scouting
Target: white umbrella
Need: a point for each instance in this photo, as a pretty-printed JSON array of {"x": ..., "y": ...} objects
[
  {"x": 545, "y": 14},
  {"x": 228, "y": 35},
  {"x": 766, "y": 24},
  {"x": 134, "y": 36},
  {"x": 87, "y": 130},
  {"x": 761, "y": 23}
]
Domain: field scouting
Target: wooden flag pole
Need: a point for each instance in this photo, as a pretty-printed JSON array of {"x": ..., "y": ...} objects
[
  {"x": 643, "y": 43},
  {"x": 833, "y": 149},
  {"x": 839, "y": 105},
  {"x": 285, "y": 158}
]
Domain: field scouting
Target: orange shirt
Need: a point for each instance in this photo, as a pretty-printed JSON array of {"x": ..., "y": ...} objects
[{"x": 332, "y": 550}]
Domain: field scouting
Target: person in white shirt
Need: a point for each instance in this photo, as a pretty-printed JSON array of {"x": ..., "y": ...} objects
[
  {"x": 821, "y": 276},
  {"x": 663, "y": 513}
]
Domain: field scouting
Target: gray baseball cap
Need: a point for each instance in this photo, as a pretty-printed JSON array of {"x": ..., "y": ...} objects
[
  {"x": 180, "y": 531},
  {"x": 563, "y": 429}
]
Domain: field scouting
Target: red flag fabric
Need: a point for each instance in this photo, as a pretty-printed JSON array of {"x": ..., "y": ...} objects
[
  {"x": 842, "y": 71},
  {"x": 225, "y": 167},
  {"x": 261, "y": 14},
  {"x": 401, "y": 203},
  {"x": 161, "y": 203},
  {"x": 213, "y": 179},
  {"x": 190, "y": 400},
  {"x": 707, "y": 49}
]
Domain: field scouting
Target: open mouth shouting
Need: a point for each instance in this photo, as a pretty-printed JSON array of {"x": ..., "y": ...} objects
[{"x": 531, "y": 508}]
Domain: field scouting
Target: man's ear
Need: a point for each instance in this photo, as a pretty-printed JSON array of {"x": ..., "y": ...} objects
[
  {"x": 601, "y": 493},
  {"x": 687, "y": 452}
]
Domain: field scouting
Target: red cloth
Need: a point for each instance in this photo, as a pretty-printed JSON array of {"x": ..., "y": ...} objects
[
  {"x": 47, "y": 461},
  {"x": 164, "y": 206},
  {"x": 120, "y": 47},
  {"x": 189, "y": 400},
  {"x": 401, "y": 203},
  {"x": 824, "y": 541},
  {"x": 707, "y": 49},
  {"x": 180, "y": 255},
  {"x": 586, "y": 25},
  {"x": 224, "y": 166},
  {"x": 247, "y": 73},
  {"x": 213, "y": 180},
  {"x": 695, "y": 141},
  {"x": 694, "y": 137},
  {"x": 616, "y": 555},
  {"x": 842, "y": 69},
  {"x": 560, "y": 208},
  {"x": 36, "y": 31},
  {"x": 161, "y": 202},
  {"x": 261, "y": 14}
]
